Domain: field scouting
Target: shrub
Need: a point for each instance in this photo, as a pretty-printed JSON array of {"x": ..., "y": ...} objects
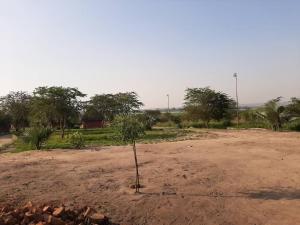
[
  {"x": 77, "y": 140},
  {"x": 37, "y": 136},
  {"x": 176, "y": 118},
  {"x": 166, "y": 124},
  {"x": 293, "y": 125}
]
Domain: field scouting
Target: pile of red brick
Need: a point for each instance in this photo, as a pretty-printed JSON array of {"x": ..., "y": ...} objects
[{"x": 50, "y": 215}]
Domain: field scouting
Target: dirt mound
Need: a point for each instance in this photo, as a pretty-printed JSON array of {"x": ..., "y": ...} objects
[{"x": 50, "y": 215}]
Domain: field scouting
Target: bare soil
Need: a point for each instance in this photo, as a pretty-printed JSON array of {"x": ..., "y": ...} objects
[{"x": 234, "y": 178}]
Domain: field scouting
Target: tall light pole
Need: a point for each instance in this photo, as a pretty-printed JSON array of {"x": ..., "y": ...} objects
[
  {"x": 235, "y": 75},
  {"x": 168, "y": 96}
]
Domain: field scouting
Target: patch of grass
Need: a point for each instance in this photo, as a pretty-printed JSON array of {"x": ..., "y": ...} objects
[
  {"x": 167, "y": 134},
  {"x": 104, "y": 137},
  {"x": 21, "y": 146},
  {"x": 201, "y": 124}
]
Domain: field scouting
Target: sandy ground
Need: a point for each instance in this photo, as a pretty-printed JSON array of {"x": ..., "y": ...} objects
[{"x": 235, "y": 178}]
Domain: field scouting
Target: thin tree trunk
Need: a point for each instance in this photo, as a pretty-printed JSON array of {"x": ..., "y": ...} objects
[
  {"x": 279, "y": 123},
  {"x": 137, "y": 178},
  {"x": 63, "y": 128},
  {"x": 207, "y": 124}
]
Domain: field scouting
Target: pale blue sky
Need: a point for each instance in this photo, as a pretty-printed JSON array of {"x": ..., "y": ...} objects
[{"x": 152, "y": 47}]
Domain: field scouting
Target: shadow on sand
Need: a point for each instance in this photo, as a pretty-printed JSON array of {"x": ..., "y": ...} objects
[{"x": 274, "y": 194}]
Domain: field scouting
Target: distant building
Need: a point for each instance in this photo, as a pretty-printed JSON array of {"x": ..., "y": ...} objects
[{"x": 90, "y": 124}]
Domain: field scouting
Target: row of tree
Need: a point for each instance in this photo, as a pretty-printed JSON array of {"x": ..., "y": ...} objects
[{"x": 62, "y": 107}]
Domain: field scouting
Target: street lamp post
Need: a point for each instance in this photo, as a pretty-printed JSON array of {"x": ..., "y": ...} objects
[
  {"x": 235, "y": 75},
  {"x": 168, "y": 96}
]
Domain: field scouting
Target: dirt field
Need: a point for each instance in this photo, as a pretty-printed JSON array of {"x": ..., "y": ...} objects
[{"x": 238, "y": 178}]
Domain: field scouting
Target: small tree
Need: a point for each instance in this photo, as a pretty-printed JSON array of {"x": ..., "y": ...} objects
[
  {"x": 129, "y": 129},
  {"x": 36, "y": 136},
  {"x": 77, "y": 140}
]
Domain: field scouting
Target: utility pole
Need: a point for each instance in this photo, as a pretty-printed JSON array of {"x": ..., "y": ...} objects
[
  {"x": 235, "y": 75},
  {"x": 168, "y": 96}
]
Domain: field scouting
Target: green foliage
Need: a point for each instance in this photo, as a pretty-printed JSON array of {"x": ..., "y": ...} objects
[
  {"x": 91, "y": 114},
  {"x": 293, "y": 109},
  {"x": 149, "y": 118},
  {"x": 55, "y": 106},
  {"x": 200, "y": 124},
  {"x": 127, "y": 103},
  {"x": 170, "y": 120},
  {"x": 274, "y": 114},
  {"x": 155, "y": 114},
  {"x": 77, "y": 140},
  {"x": 293, "y": 125},
  {"x": 207, "y": 104},
  {"x": 251, "y": 118},
  {"x": 101, "y": 107},
  {"x": 108, "y": 106},
  {"x": 166, "y": 124},
  {"x": 36, "y": 136},
  {"x": 176, "y": 119},
  {"x": 110, "y": 136},
  {"x": 129, "y": 128},
  {"x": 17, "y": 106},
  {"x": 164, "y": 117}
]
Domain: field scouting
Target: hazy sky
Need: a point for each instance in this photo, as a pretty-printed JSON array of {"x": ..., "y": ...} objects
[{"x": 152, "y": 47}]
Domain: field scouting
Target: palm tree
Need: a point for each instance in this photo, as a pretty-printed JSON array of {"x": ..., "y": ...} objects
[{"x": 274, "y": 113}]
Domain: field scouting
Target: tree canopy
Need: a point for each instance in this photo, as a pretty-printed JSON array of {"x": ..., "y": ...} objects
[
  {"x": 108, "y": 106},
  {"x": 17, "y": 106},
  {"x": 129, "y": 127},
  {"x": 207, "y": 104},
  {"x": 294, "y": 107},
  {"x": 56, "y": 105}
]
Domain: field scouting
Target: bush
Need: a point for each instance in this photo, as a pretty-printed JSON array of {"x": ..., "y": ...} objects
[
  {"x": 176, "y": 118},
  {"x": 77, "y": 140},
  {"x": 293, "y": 125},
  {"x": 37, "y": 136},
  {"x": 193, "y": 124},
  {"x": 166, "y": 124}
]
